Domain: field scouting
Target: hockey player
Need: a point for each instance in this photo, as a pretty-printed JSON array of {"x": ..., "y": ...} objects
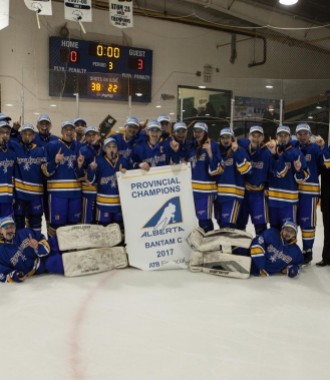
[
  {"x": 28, "y": 180},
  {"x": 153, "y": 152},
  {"x": 24, "y": 253},
  {"x": 127, "y": 140},
  {"x": 289, "y": 170},
  {"x": 80, "y": 125},
  {"x": 102, "y": 172},
  {"x": 276, "y": 251},
  {"x": 179, "y": 135},
  {"x": 230, "y": 184},
  {"x": 64, "y": 176},
  {"x": 165, "y": 122},
  {"x": 89, "y": 150},
  {"x": 206, "y": 163},
  {"x": 309, "y": 191},
  {"x": 42, "y": 138},
  {"x": 7, "y": 162},
  {"x": 256, "y": 183}
]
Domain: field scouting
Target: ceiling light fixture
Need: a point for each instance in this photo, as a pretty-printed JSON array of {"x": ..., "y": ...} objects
[
  {"x": 288, "y": 2},
  {"x": 269, "y": 86}
]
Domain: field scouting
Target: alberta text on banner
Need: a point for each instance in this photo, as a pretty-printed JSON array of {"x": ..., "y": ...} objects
[{"x": 159, "y": 213}]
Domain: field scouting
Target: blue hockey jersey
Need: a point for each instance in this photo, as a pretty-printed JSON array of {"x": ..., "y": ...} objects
[
  {"x": 63, "y": 178},
  {"x": 154, "y": 155},
  {"x": 28, "y": 177},
  {"x": 43, "y": 140},
  {"x": 7, "y": 162},
  {"x": 17, "y": 256},
  {"x": 230, "y": 184},
  {"x": 104, "y": 177},
  {"x": 283, "y": 184},
  {"x": 89, "y": 151},
  {"x": 261, "y": 161},
  {"x": 315, "y": 160},
  {"x": 204, "y": 169},
  {"x": 125, "y": 147},
  {"x": 271, "y": 254}
]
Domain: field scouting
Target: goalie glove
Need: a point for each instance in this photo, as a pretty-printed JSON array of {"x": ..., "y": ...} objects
[
  {"x": 15, "y": 276},
  {"x": 293, "y": 270}
]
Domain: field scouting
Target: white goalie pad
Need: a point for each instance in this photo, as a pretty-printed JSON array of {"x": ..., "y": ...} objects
[
  {"x": 83, "y": 236},
  {"x": 219, "y": 240},
  {"x": 80, "y": 263},
  {"x": 220, "y": 264}
]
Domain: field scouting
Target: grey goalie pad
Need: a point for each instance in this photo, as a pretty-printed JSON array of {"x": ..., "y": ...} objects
[
  {"x": 83, "y": 236},
  {"x": 220, "y": 264},
  {"x": 222, "y": 239},
  {"x": 80, "y": 263}
]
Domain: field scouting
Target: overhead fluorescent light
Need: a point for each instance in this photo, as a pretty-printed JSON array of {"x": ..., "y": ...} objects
[
  {"x": 288, "y": 2},
  {"x": 269, "y": 86}
]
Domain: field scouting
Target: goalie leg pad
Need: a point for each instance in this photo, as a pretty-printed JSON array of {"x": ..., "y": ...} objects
[
  {"x": 83, "y": 236},
  {"x": 79, "y": 263},
  {"x": 223, "y": 239},
  {"x": 220, "y": 264}
]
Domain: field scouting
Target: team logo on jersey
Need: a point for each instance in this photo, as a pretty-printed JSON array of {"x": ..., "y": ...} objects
[{"x": 169, "y": 213}]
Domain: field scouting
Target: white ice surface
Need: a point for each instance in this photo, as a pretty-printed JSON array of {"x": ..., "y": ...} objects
[{"x": 169, "y": 325}]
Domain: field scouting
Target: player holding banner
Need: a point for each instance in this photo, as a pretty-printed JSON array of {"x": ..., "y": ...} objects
[{"x": 102, "y": 173}]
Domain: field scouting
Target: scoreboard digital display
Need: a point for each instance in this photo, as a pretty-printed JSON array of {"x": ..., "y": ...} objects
[{"x": 99, "y": 71}]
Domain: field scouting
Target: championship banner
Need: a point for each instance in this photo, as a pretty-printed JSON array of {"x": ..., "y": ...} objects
[
  {"x": 43, "y": 7},
  {"x": 159, "y": 214},
  {"x": 121, "y": 13},
  {"x": 78, "y": 10}
]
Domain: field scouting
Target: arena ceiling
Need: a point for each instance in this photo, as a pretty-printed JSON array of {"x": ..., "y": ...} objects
[{"x": 307, "y": 21}]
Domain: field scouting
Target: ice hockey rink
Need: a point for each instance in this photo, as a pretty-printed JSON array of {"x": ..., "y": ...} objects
[{"x": 130, "y": 324}]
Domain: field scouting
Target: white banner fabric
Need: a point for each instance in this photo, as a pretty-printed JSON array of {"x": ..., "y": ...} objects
[
  {"x": 121, "y": 13},
  {"x": 4, "y": 14},
  {"x": 159, "y": 214},
  {"x": 78, "y": 10},
  {"x": 43, "y": 7}
]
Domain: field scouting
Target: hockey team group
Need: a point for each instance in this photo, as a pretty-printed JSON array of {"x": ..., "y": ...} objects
[{"x": 71, "y": 180}]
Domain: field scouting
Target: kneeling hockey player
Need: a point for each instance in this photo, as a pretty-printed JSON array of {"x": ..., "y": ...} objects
[{"x": 276, "y": 252}]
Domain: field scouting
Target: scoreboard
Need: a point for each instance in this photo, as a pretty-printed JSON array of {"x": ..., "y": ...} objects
[{"x": 99, "y": 71}]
